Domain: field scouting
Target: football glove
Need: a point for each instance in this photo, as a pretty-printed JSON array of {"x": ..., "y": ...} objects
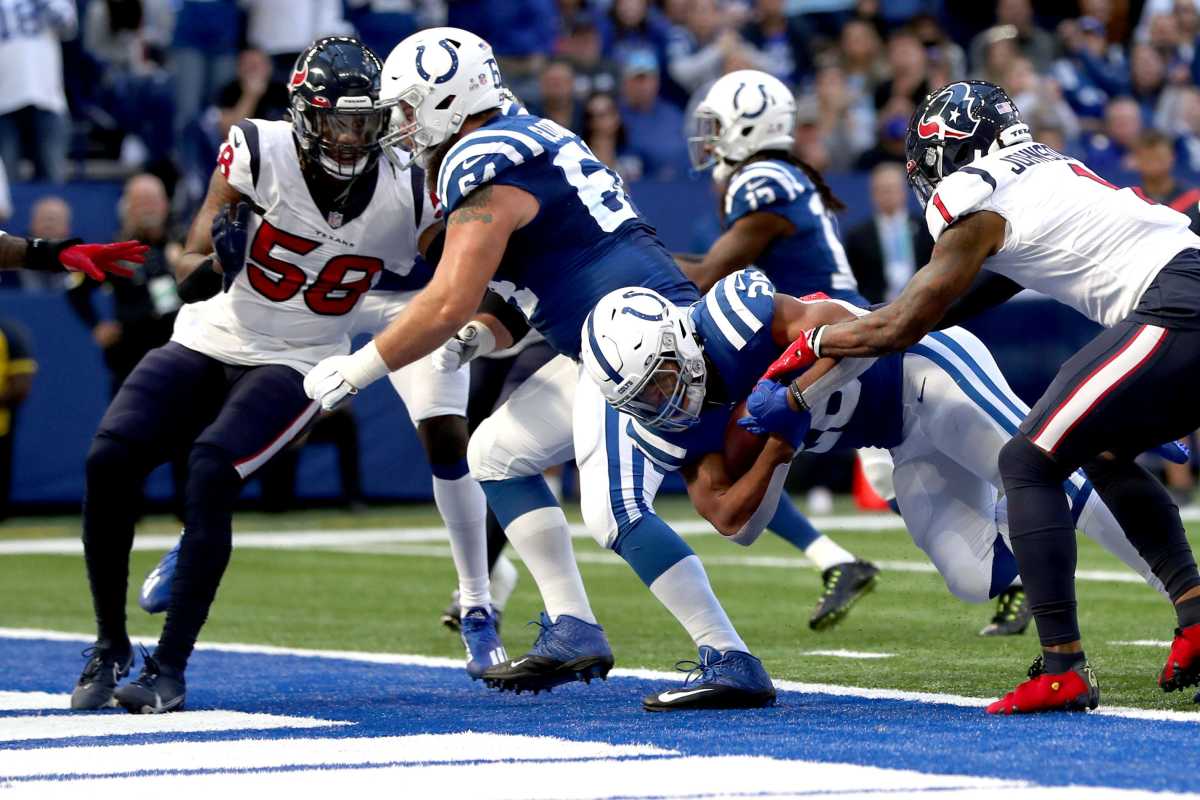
[
  {"x": 768, "y": 411},
  {"x": 473, "y": 340},
  {"x": 335, "y": 378},
  {"x": 93, "y": 260},
  {"x": 230, "y": 234},
  {"x": 799, "y": 355}
]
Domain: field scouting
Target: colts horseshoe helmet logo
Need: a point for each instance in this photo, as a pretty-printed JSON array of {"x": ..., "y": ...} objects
[
  {"x": 449, "y": 47},
  {"x": 950, "y": 115},
  {"x": 658, "y": 316},
  {"x": 762, "y": 90}
]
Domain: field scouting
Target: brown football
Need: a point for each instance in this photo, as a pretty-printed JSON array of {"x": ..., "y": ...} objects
[{"x": 741, "y": 446}]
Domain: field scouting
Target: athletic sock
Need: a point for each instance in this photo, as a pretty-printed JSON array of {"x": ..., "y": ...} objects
[
  {"x": 463, "y": 507},
  {"x": 1057, "y": 663},
  {"x": 504, "y": 581},
  {"x": 792, "y": 526},
  {"x": 684, "y": 589},
  {"x": 1188, "y": 612},
  {"x": 537, "y": 529},
  {"x": 826, "y": 553}
]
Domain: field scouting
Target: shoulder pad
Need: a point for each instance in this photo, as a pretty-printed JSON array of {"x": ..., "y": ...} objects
[
  {"x": 741, "y": 304},
  {"x": 240, "y": 157},
  {"x": 479, "y": 157},
  {"x": 959, "y": 193},
  {"x": 759, "y": 186},
  {"x": 662, "y": 453}
]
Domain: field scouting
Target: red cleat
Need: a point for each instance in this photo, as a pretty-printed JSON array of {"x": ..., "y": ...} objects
[
  {"x": 1074, "y": 690},
  {"x": 1183, "y": 664}
]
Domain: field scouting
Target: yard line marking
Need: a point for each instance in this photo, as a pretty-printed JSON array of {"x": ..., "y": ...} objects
[
  {"x": 861, "y": 654},
  {"x": 1144, "y": 643},
  {"x": 32, "y": 701},
  {"x": 648, "y": 674},
  {"x": 17, "y": 729}
]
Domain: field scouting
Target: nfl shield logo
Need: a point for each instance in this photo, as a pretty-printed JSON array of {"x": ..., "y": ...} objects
[{"x": 335, "y": 219}]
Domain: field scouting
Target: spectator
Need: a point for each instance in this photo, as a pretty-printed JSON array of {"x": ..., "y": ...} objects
[
  {"x": 783, "y": 41},
  {"x": 1091, "y": 70},
  {"x": 283, "y": 28},
  {"x": 605, "y": 135},
  {"x": 557, "y": 95},
  {"x": 632, "y": 25},
  {"x": 940, "y": 49},
  {"x": 887, "y": 249},
  {"x": 1036, "y": 44},
  {"x": 521, "y": 33},
  {"x": 891, "y": 126},
  {"x": 1110, "y": 150},
  {"x": 906, "y": 63},
  {"x": 256, "y": 92},
  {"x": 1181, "y": 119},
  {"x": 697, "y": 53},
  {"x": 33, "y": 121},
  {"x": 1040, "y": 99},
  {"x": 827, "y": 17},
  {"x": 862, "y": 57},
  {"x": 1154, "y": 161},
  {"x": 382, "y": 24},
  {"x": 50, "y": 218},
  {"x": 1000, "y": 48},
  {"x": 17, "y": 368},
  {"x": 1147, "y": 78},
  {"x": 128, "y": 35},
  {"x": 1052, "y": 137},
  {"x": 654, "y": 126},
  {"x": 583, "y": 46},
  {"x": 203, "y": 55},
  {"x": 846, "y": 123}
]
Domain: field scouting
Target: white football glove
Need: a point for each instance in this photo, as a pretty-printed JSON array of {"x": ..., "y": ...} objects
[
  {"x": 335, "y": 378},
  {"x": 473, "y": 340}
]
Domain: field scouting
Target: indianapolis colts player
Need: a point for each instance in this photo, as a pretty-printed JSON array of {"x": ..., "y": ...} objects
[
  {"x": 943, "y": 409},
  {"x": 526, "y": 187},
  {"x": 777, "y": 216},
  {"x": 300, "y": 220},
  {"x": 996, "y": 200}
]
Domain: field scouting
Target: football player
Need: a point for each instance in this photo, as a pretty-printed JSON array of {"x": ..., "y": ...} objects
[
  {"x": 1032, "y": 217},
  {"x": 777, "y": 216},
  {"x": 71, "y": 255},
  {"x": 526, "y": 187},
  {"x": 942, "y": 409},
  {"x": 300, "y": 220}
]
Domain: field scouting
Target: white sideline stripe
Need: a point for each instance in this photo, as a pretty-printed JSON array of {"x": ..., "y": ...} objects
[
  {"x": 267, "y": 753},
  {"x": 15, "y": 729},
  {"x": 32, "y": 701},
  {"x": 647, "y": 674},
  {"x": 860, "y": 654},
  {"x": 1144, "y": 643}
]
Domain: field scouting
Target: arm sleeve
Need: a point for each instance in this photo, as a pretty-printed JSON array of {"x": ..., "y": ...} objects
[
  {"x": 988, "y": 290},
  {"x": 766, "y": 509},
  {"x": 510, "y": 316}
]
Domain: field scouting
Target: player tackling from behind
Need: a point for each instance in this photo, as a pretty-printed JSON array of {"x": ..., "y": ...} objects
[{"x": 996, "y": 200}]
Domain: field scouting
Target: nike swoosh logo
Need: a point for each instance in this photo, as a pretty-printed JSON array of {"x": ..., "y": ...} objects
[
  {"x": 921, "y": 396},
  {"x": 670, "y": 697},
  {"x": 471, "y": 162},
  {"x": 519, "y": 662}
]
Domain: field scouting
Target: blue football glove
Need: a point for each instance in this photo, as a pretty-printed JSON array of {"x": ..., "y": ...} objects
[
  {"x": 230, "y": 234},
  {"x": 768, "y": 412},
  {"x": 1175, "y": 452}
]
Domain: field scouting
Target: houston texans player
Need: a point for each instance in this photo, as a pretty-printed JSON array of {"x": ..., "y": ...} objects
[
  {"x": 300, "y": 219},
  {"x": 776, "y": 215},
  {"x": 70, "y": 255},
  {"x": 527, "y": 186},
  {"x": 943, "y": 409},
  {"x": 998, "y": 201}
]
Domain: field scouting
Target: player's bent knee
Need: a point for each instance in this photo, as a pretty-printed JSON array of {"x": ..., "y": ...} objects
[
  {"x": 969, "y": 585},
  {"x": 109, "y": 458},
  {"x": 1022, "y": 463},
  {"x": 444, "y": 438},
  {"x": 598, "y": 518},
  {"x": 211, "y": 471}
]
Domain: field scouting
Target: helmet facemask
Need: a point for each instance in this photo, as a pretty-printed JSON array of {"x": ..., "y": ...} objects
[
  {"x": 704, "y": 139},
  {"x": 346, "y": 143},
  {"x": 671, "y": 394},
  {"x": 405, "y": 128}
]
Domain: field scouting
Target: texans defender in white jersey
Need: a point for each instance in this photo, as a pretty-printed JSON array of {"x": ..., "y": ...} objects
[
  {"x": 528, "y": 189},
  {"x": 997, "y": 201},
  {"x": 300, "y": 221},
  {"x": 942, "y": 409}
]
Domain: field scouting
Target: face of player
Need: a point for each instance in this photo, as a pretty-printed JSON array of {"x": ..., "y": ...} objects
[{"x": 347, "y": 137}]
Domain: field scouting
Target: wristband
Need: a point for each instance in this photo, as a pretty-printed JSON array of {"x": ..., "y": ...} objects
[
  {"x": 814, "y": 339},
  {"x": 201, "y": 283},
  {"x": 798, "y": 396},
  {"x": 41, "y": 255},
  {"x": 364, "y": 366}
]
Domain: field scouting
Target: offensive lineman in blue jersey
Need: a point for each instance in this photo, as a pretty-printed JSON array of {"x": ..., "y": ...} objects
[
  {"x": 777, "y": 216},
  {"x": 943, "y": 409},
  {"x": 529, "y": 190}
]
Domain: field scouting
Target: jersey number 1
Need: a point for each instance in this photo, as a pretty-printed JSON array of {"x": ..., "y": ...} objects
[{"x": 328, "y": 294}]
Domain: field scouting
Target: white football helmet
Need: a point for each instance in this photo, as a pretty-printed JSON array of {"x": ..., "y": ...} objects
[
  {"x": 642, "y": 351},
  {"x": 432, "y": 81},
  {"x": 744, "y": 112}
]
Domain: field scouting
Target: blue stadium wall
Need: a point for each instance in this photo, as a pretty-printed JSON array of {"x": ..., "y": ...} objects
[{"x": 71, "y": 388}]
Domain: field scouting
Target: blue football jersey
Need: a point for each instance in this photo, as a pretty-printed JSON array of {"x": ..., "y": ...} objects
[
  {"x": 810, "y": 260},
  {"x": 866, "y": 412},
  {"x": 587, "y": 238}
]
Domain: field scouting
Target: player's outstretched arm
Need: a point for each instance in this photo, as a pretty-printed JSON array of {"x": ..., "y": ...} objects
[
  {"x": 740, "y": 509},
  {"x": 55, "y": 255},
  {"x": 957, "y": 258},
  {"x": 737, "y": 248}
]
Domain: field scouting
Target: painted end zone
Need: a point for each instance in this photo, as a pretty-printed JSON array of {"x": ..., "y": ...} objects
[{"x": 293, "y": 722}]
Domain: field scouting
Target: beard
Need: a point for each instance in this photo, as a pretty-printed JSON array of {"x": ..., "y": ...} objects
[{"x": 433, "y": 165}]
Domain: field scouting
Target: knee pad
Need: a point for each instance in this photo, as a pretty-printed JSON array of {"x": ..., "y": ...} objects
[
  {"x": 481, "y": 451},
  {"x": 1023, "y": 463},
  {"x": 444, "y": 438}
]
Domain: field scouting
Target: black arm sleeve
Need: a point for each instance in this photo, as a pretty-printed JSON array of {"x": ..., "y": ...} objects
[
  {"x": 509, "y": 315},
  {"x": 988, "y": 290},
  {"x": 203, "y": 282}
]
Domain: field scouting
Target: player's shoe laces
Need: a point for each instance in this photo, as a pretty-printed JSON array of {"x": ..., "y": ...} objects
[
  {"x": 566, "y": 650},
  {"x": 718, "y": 680},
  {"x": 1013, "y": 614},
  {"x": 1073, "y": 690},
  {"x": 484, "y": 649},
  {"x": 845, "y": 585},
  {"x": 1183, "y": 664},
  {"x": 155, "y": 595},
  {"x": 157, "y": 690},
  {"x": 98, "y": 681}
]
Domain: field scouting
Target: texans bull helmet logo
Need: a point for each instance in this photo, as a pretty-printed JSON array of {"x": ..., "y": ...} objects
[{"x": 950, "y": 115}]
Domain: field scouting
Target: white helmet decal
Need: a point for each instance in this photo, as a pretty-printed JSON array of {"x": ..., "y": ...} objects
[{"x": 743, "y": 113}]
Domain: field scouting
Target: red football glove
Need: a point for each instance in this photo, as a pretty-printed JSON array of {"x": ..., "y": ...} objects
[
  {"x": 94, "y": 260},
  {"x": 797, "y": 357}
]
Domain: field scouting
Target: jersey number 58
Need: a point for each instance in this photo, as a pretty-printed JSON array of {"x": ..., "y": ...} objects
[{"x": 329, "y": 294}]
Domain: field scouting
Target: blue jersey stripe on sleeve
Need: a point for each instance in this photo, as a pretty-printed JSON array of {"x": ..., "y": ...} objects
[
  {"x": 655, "y": 448},
  {"x": 727, "y": 319}
]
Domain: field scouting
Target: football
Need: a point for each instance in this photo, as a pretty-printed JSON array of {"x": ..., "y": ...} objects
[{"x": 741, "y": 446}]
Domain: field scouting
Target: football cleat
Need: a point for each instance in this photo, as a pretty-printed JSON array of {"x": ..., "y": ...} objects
[
  {"x": 482, "y": 641},
  {"x": 98, "y": 681},
  {"x": 566, "y": 650},
  {"x": 1012, "y": 616},
  {"x": 1183, "y": 663},
  {"x": 155, "y": 595},
  {"x": 157, "y": 690},
  {"x": 452, "y": 613},
  {"x": 1073, "y": 690},
  {"x": 845, "y": 585},
  {"x": 718, "y": 680}
]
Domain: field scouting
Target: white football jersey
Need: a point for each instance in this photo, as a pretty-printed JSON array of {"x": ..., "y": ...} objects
[
  {"x": 1071, "y": 235},
  {"x": 305, "y": 271}
]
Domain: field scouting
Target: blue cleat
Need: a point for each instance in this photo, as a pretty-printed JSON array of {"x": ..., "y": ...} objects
[
  {"x": 155, "y": 595},
  {"x": 479, "y": 634},
  {"x": 566, "y": 650},
  {"x": 719, "y": 680}
]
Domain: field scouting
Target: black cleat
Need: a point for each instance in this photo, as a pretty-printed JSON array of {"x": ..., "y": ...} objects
[
  {"x": 98, "y": 681},
  {"x": 717, "y": 681},
  {"x": 845, "y": 585},
  {"x": 1013, "y": 614},
  {"x": 451, "y": 616},
  {"x": 566, "y": 650},
  {"x": 157, "y": 690}
]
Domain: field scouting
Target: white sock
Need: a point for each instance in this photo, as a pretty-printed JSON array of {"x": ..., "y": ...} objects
[
  {"x": 826, "y": 553},
  {"x": 504, "y": 581},
  {"x": 684, "y": 590},
  {"x": 543, "y": 540},
  {"x": 464, "y": 510}
]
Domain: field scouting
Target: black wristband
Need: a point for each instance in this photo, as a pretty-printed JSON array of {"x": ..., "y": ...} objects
[
  {"x": 798, "y": 396},
  {"x": 202, "y": 283},
  {"x": 41, "y": 255}
]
